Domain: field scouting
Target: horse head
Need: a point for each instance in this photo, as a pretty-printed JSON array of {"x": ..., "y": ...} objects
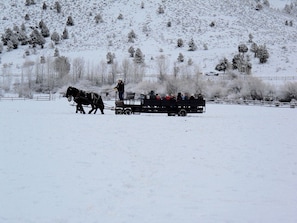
[{"x": 71, "y": 92}]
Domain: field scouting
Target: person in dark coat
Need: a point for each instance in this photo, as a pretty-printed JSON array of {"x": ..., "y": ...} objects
[{"x": 121, "y": 89}]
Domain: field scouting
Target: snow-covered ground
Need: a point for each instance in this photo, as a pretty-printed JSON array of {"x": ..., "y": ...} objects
[{"x": 234, "y": 163}]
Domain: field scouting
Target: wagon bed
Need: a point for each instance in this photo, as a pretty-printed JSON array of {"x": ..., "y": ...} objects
[{"x": 171, "y": 107}]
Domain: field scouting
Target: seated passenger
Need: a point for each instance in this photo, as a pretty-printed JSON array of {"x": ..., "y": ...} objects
[
  {"x": 152, "y": 95},
  {"x": 158, "y": 97},
  {"x": 179, "y": 97},
  {"x": 186, "y": 96},
  {"x": 167, "y": 97}
]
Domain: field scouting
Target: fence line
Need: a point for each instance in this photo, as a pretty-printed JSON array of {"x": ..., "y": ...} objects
[
  {"x": 44, "y": 97},
  {"x": 274, "y": 103}
]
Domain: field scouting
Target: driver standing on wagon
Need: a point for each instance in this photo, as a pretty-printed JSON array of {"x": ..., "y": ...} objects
[{"x": 120, "y": 88}]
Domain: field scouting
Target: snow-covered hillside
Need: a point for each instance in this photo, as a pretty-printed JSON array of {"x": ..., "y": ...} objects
[{"x": 234, "y": 21}]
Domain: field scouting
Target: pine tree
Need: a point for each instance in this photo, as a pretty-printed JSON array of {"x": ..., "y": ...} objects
[
  {"x": 55, "y": 37},
  {"x": 58, "y": 7},
  {"x": 6, "y": 36},
  {"x": 110, "y": 57},
  {"x": 44, "y": 30},
  {"x": 254, "y": 49},
  {"x": 70, "y": 21},
  {"x": 242, "y": 48},
  {"x": 1, "y": 49},
  {"x": 56, "y": 53},
  {"x": 65, "y": 34},
  {"x": 27, "y": 17},
  {"x": 36, "y": 38},
  {"x": 131, "y": 50},
  {"x": 138, "y": 57},
  {"x": 180, "y": 43},
  {"x": 131, "y": 36},
  {"x": 262, "y": 54},
  {"x": 98, "y": 18},
  {"x": 192, "y": 45},
  {"x": 180, "y": 58},
  {"x": 44, "y": 6}
]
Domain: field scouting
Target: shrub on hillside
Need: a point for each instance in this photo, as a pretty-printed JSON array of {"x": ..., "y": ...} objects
[
  {"x": 55, "y": 37},
  {"x": 192, "y": 45},
  {"x": 70, "y": 21},
  {"x": 262, "y": 54}
]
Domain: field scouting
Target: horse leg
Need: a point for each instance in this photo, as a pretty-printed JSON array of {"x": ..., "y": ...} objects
[
  {"x": 92, "y": 109},
  {"x": 101, "y": 109},
  {"x": 81, "y": 109}
]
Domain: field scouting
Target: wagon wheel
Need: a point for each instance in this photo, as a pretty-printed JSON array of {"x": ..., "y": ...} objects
[
  {"x": 119, "y": 111},
  {"x": 128, "y": 111},
  {"x": 182, "y": 112}
]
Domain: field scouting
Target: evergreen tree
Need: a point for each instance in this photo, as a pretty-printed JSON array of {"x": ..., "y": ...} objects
[
  {"x": 70, "y": 21},
  {"x": 56, "y": 53},
  {"x": 131, "y": 50},
  {"x": 36, "y": 38},
  {"x": 138, "y": 57},
  {"x": 192, "y": 45},
  {"x": 44, "y": 30},
  {"x": 44, "y": 6},
  {"x": 27, "y": 17},
  {"x": 65, "y": 34},
  {"x": 180, "y": 43},
  {"x": 110, "y": 57},
  {"x": 242, "y": 48},
  {"x": 98, "y": 18},
  {"x": 120, "y": 17},
  {"x": 6, "y": 36},
  {"x": 10, "y": 39},
  {"x": 131, "y": 36},
  {"x": 262, "y": 54},
  {"x": 29, "y": 2},
  {"x": 23, "y": 27},
  {"x": 58, "y": 7},
  {"x": 55, "y": 37},
  {"x": 160, "y": 10},
  {"x": 1, "y": 49},
  {"x": 180, "y": 58},
  {"x": 254, "y": 49},
  {"x": 22, "y": 37},
  {"x": 223, "y": 65}
]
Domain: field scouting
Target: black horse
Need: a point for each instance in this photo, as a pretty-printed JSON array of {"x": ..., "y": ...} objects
[{"x": 85, "y": 98}]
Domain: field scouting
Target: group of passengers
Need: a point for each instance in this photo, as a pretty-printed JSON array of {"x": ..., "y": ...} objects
[{"x": 172, "y": 97}]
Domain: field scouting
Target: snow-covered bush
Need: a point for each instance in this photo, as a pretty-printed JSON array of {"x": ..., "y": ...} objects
[
  {"x": 70, "y": 21},
  {"x": 192, "y": 45},
  {"x": 180, "y": 43},
  {"x": 262, "y": 54},
  {"x": 288, "y": 91},
  {"x": 139, "y": 56},
  {"x": 55, "y": 37}
]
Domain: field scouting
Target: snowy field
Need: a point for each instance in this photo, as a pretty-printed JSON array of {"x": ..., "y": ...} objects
[{"x": 234, "y": 163}]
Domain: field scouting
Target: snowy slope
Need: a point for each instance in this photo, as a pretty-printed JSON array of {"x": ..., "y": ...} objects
[
  {"x": 230, "y": 164},
  {"x": 234, "y": 21}
]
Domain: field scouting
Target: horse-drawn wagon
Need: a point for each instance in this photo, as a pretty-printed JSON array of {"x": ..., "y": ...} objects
[{"x": 171, "y": 107}]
